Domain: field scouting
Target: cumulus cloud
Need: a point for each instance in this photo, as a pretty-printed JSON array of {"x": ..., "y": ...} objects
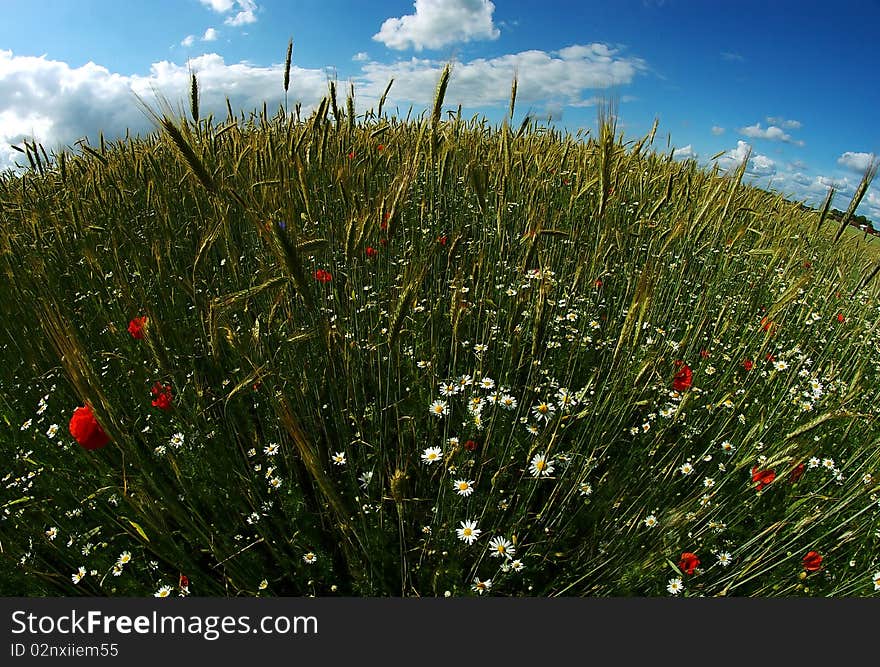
[
  {"x": 717, "y": 131},
  {"x": 758, "y": 165},
  {"x": 188, "y": 41},
  {"x": 771, "y": 133},
  {"x": 855, "y": 161},
  {"x": 685, "y": 153},
  {"x": 210, "y": 35},
  {"x": 786, "y": 123},
  {"x": 361, "y": 56},
  {"x": 56, "y": 104},
  {"x": 564, "y": 76},
  {"x": 437, "y": 23},
  {"x": 247, "y": 10}
]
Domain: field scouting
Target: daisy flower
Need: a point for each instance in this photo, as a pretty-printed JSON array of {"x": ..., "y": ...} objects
[
  {"x": 124, "y": 558},
  {"x": 675, "y": 586},
  {"x": 468, "y": 531},
  {"x": 310, "y": 558},
  {"x": 481, "y": 586},
  {"x": 448, "y": 389},
  {"x": 585, "y": 488},
  {"x": 651, "y": 521},
  {"x": 686, "y": 469},
  {"x": 432, "y": 455},
  {"x": 52, "y": 533},
  {"x": 439, "y": 408},
  {"x": 163, "y": 592},
  {"x": 487, "y": 383},
  {"x": 53, "y": 431},
  {"x": 177, "y": 440},
  {"x": 77, "y": 576},
  {"x": 508, "y": 402},
  {"x": 876, "y": 579},
  {"x": 271, "y": 449},
  {"x": 540, "y": 466},
  {"x": 565, "y": 399},
  {"x": 543, "y": 410},
  {"x": 463, "y": 487},
  {"x": 725, "y": 559},
  {"x": 339, "y": 458},
  {"x": 500, "y": 547},
  {"x": 365, "y": 478}
]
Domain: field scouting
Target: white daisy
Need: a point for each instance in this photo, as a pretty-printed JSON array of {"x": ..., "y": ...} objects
[
  {"x": 432, "y": 455},
  {"x": 725, "y": 559},
  {"x": 544, "y": 410},
  {"x": 77, "y": 576},
  {"x": 508, "y": 402},
  {"x": 675, "y": 586},
  {"x": 463, "y": 487},
  {"x": 53, "y": 431},
  {"x": 163, "y": 592},
  {"x": 439, "y": 408},
  {"x": 500, "y": 547},
  {"x": 310, "y": 558},
  {"x": 468, "y": 531},
  {"x": 177, "y": 440},
  {"x": 339, "y": 458},
  {"x": 540, "y": 466},
  {"x": 487, "y": 382},
  {"x": 651, "y": 521},
  {"x": 481, "y": 586}
]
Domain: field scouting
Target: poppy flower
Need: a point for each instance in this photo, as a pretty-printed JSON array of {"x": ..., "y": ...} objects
[
  {"x": 840, "y": 317},
  {"x": 812, "y": 561},
  {"x": 768, "y": 325},
  {"x": 796, "y": 473},
  {"x": 748, "y": 364},
  {"x": 383, "y": 242},
  {"x": 86, "y": 430},
  {"x": 683, "y": 379},
  {"x": 770, "y": 357},
  {"x": 183, "y": 582},
  {"x": 597, "y": 283},
  {"x": 323, "y": 276},
  {"x": 470, "y": 445},
  {"x": 163, "y": 397},
  {"x": 136, "y": 327},
  {"x": 351, "y": 155},
  {"x": 380, "y": 147},
  {"x": 442, "y": 240},
  {"x": 371, "y": 251},
  {"x": 762, "y": 477},
  {"x": 704, "y": 354},
  {"x": 688, "y": 562}
]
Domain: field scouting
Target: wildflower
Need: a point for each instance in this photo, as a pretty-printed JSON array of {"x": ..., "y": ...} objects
[
  {"x": 585, "y": 488},
  {"x": 275, "y": 483},
  {"x": 371, "y": 251},
  {"x": 651, "y": 521},
  {"x": 136, "y": 327},
  {"x": 748, "y": 364},
  {"x": 442, "y": 240},
  {"x": 263, "y": 585},
  {"x": 52, "y": 533},
  {"x": 117, "y": 570},
  {"x": 163, "y": 592},
  {"x": 780, "y": 365},
  {"x": 77, "y": 576},
  {"x": 468, "y": 531},
  {"x": 500, "y": 547},
  {"x": 365, "y": 478},
  {"x": 439, "y": 408},
  {"x": 432, "y": 455},
  {"x": 323, "y": 276},
  {"x": 840, "y": 317},
  {"x": 683, "y": 379},
  {"x": 762, "y": 477},
  {"x": 310, "y": 558},
  {"x": 769, "y": 325},
  {"x": 448, "y": 389},
  {"x": 727, "y": 447},
  {"x": 725, "y": 559},
  {"x": 339, "y": 458},
  {"x": 675, "y": 586},
  {"x": 687, "y": 468},
  {"x": 124, "y": 558},
  {"x": 463, "y": 487},
  {"x": 876, "y": 579},
  {"x": 481, "y": 586},
  {"x": 53, "y": 431},
  {"x": 508, "y": 402},
  {"x": 163, "y": 398},
  {"x": 86, "y": 430},
  {"x": 271, "y": 449},
  {"x": 543, "y": 410},
  {"x": 796, "y": 473},
  {"x": 812, "y": 561},
  {"x": 688, "y": 562},
  {"x": 183, "y": 583},
  {"x": 516, "y": 565},
  {"x": 540, "y": 466},
  {"x": 27, "y": 425},
  {"x": 177, "y": 440},
  {"x": 486, "y": 382},
  {"x": 471, "y": 445}
]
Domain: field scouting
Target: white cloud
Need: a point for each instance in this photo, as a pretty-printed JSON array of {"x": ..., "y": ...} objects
[
  {"x": 787, "y": 124},
  {"x": 361, "y": 56},
  {"x": 685, "y": 153},
  {"x": 563, "y": 77},
  {"x": 716, "y": 130},
  {"x": 855, "y": 161},
  {"x": 759, "y": 165},
  {"x": 56, "y": 104},
  {"x": 771, "y": 133},
  {"x": 219, "y": 6},
  {"x": 732, "y": 57},
  {"x": 188, "y": 41},
  {"x": 437, "y": 23},
  {"x": 210, "y": 35}
]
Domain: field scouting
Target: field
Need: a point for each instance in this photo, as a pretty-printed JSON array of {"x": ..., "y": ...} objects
[{"x": 374, "y": 356}]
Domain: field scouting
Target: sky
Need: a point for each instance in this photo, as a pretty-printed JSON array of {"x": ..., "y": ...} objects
[{"x": 792, "y": 84}]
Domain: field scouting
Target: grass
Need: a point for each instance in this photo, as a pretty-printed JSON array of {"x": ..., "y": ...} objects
[{"x": 311, "y": 285}]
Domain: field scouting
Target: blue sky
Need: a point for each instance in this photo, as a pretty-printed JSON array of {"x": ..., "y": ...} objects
[{"x": 794, "y": 81}]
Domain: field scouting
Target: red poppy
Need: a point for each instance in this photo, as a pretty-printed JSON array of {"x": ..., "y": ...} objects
[
  {"x": 688, "y": 562},
  {"x": 748, "y": 364},
  {"x": 683, "y": 379},
  {"x": 183, "y": 582},
  {"x": 136, "y": 327},
  {"x": 163, "y": 398},
  {"x": 470, "y": 445},
  {"x": 796, "y": 473},
  {"x": 812, "y": 561},
  {"x": 769, "y": 357},
  {"x": 351, "y": 155},
  {"x": 840, "y": 317},
  {"x": 86, "y": 430},
  {"x": 380, "y": 147},
  {"x": 383, "y": 242},
  {"x": 323, "y": 276},
  {"x": 598, "y": 283},
  {"x": 762, "y": 477},
  {"x": 768, "y": 325},
  {"x": 442, "y": 240},
  {"x": 704, "y": 354},
  {"x": 371, "y": 251},
  {"x": 808, "y": 264}
]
